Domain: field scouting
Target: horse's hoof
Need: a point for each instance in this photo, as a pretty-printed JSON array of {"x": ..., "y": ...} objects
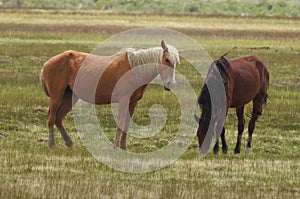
[
  {"x": 216, "y": 149},
  {"x": 237, "y": 151},
  {"x": 248, "y": 150},
  {"x": 225, "y": 149},
  {"x": 120, "y": 148},
  {"x": 69, "y": 143},
  {"x": 123, "y": 148},
  {"x": 51, "y": 143}
]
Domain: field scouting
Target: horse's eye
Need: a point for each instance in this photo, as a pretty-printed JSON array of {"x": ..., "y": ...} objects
[{"x": 167, "y": 60}]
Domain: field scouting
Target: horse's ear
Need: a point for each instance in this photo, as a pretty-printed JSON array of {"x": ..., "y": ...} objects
[{"x": 163, "y": 45}]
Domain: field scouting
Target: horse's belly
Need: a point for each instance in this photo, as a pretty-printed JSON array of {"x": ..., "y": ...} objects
[
  {"x": 243, "y": 96},
  {"x": 239, "y": 103},
  {"x": 100, "y": 98}
]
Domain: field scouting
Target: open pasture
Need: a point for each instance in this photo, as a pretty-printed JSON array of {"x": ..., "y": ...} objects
[{"x": 30, "y": 169}]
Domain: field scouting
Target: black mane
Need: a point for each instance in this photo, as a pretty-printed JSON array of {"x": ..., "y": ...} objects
[
  {"x": 222, "y": 65},
  {"x": 219, "y": 68}
]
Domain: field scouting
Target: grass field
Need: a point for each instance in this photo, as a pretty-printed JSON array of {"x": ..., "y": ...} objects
[{"x": 29, "y": 169}]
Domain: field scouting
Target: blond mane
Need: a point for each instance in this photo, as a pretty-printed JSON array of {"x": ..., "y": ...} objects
[{"x": 150, "y": 56}]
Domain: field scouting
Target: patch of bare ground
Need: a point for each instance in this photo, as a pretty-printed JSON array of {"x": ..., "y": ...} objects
[{"x": 113, "y": 29}]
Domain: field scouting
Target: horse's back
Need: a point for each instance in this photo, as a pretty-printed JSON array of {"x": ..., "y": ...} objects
[
  {"x": 245, "y": 61},
  {"x": 63, "y": 61}
]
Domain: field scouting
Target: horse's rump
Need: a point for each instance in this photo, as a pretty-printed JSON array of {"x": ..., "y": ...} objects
[{"x": 76, "y": 68}]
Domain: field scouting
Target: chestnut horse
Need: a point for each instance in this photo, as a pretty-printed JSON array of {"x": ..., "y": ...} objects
[
  {"x": 61, "y": 72},
  {"x": 244, "y": 79}
]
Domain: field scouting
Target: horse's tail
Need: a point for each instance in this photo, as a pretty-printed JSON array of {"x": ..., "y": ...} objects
[
  {"x": 265, "y": 99},
  {"x": 225, "y": 54},
  {"x": 265, "y": 80},
  {"x": 42, "y": 80}
]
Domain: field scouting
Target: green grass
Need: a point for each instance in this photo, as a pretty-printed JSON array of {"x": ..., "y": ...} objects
[{"x": 29, "y": 169}]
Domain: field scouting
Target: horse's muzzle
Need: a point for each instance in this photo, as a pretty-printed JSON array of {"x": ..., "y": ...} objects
[
  {"x": 169, "y": 85},
  {"x": 166, "y": 88}
]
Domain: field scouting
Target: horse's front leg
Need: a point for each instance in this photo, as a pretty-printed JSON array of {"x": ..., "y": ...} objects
[
  {"x": 224, "y": 144},
  {"x": 124, "y": 118},
  {"x": 216, "y": 147},
  {"x": 120, "y": 122},
  {"x": 132, "y": 106}
]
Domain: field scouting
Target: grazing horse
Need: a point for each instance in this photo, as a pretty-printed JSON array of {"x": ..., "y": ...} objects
[
  {"x": 245, "y": 79},
  {"x": 61, "y": 72}
]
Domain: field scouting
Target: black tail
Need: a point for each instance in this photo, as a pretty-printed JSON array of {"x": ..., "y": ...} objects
[
  {"x": 265, "y": 99},
  {"x": 225, "y": 54}
]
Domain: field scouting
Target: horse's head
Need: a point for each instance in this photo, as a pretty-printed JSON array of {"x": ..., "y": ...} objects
[
  {"x": 205, "y": 103},
  {"x": 170, "y": 59}
]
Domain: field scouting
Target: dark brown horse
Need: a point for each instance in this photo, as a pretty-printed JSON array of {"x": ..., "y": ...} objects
[
  {"x": 72, "y": 75},
  {"x": 243, "y": 79}
]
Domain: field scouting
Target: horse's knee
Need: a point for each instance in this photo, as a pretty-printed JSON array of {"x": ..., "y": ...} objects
[{"x": 241, "y": 126}]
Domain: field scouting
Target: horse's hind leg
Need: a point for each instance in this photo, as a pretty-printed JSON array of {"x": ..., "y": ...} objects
[
  {"x": 241, "y": 125},
  {"x": 54, "y": 105},
  {"x": 258, "y": 103},
  {"x": 65, "y": 106}
]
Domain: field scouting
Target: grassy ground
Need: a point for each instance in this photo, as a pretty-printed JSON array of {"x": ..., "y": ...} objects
[{"x": 29, "y": 169}]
